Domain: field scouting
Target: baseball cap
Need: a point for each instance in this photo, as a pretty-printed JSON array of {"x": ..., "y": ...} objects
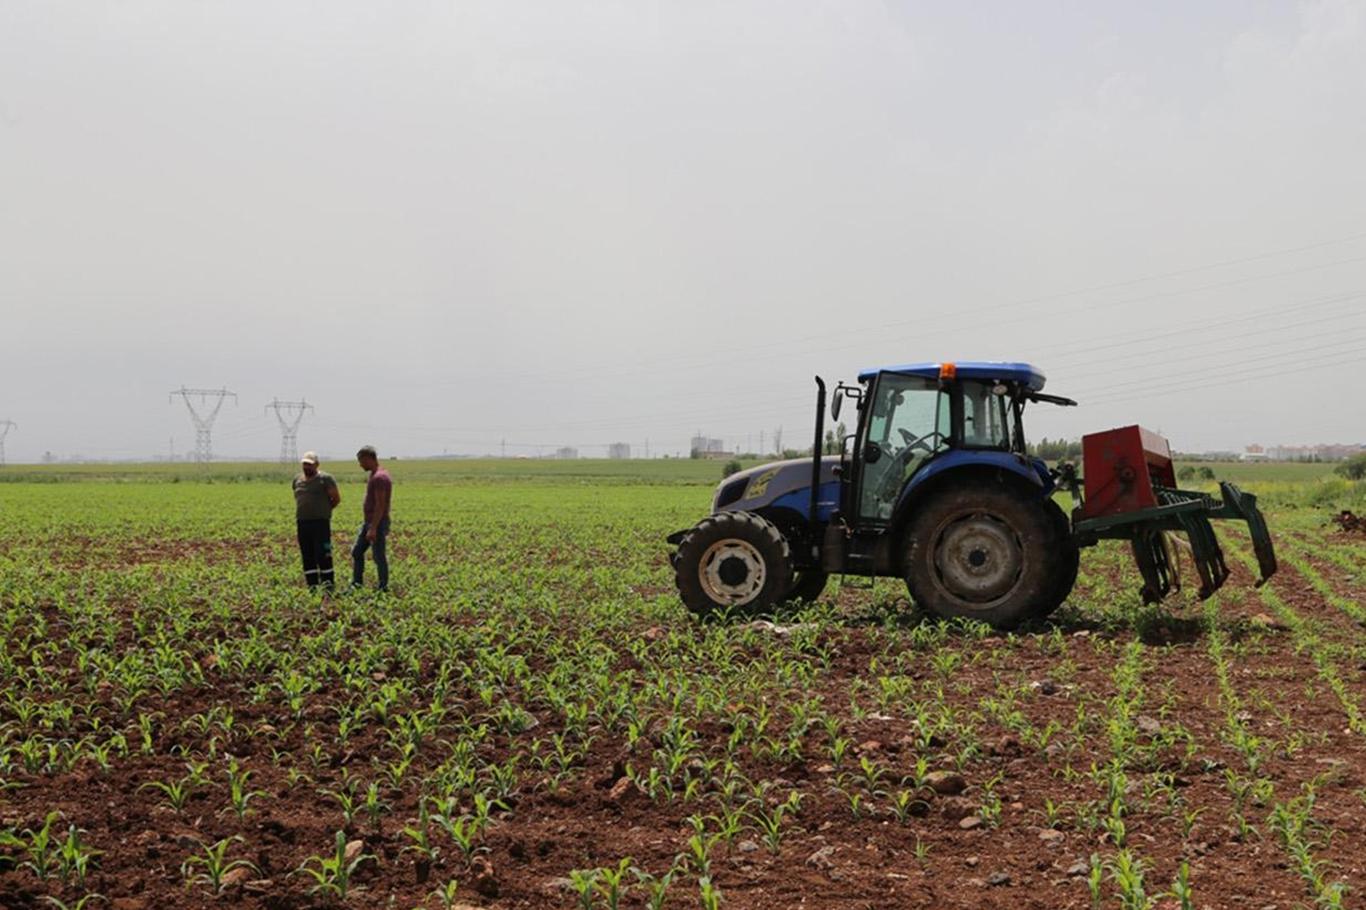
[{"x": 309, "y": 458}]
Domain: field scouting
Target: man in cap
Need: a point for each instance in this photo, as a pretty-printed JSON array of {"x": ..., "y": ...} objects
[
  {"x": 375, "y": 528},
  {"x": 315, "y": 496}
]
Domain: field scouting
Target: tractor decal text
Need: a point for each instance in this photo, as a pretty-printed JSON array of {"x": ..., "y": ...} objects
[{"x": 759, "y": 485}]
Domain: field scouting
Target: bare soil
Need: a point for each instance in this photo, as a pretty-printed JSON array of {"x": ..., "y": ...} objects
[{"x": 829, "y": 858}]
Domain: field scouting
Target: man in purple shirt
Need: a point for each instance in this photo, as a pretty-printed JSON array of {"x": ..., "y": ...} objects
[{"x": 373, "y": 531}]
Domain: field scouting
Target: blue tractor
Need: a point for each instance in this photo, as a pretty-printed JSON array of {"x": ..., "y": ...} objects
[{"x": 935, "y": 486}]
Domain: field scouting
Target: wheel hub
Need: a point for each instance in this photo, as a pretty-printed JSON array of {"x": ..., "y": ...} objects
[
  {"x": 732, "y": 572},
  {"x": 979, "y": 558}
]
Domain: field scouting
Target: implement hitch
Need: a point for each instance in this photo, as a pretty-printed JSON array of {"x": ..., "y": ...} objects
[{"x": 1131, "y": 495}]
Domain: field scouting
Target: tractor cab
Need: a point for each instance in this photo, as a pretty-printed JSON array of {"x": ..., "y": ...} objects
[
  {"x": 919, "y": 419},
  {"x": 919, "y": 427}
]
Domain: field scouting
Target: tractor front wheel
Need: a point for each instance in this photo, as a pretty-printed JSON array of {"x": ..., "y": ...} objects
[
  {"x": 990, "y": 553},
  {"x": 734, "y": 561}
]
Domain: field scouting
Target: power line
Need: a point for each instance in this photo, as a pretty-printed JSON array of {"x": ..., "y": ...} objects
[
  {"x": 794, "y": 404},
  {"x": 1202, "y": 268},
  {"x": 1199, "y": 361},
  {"x": 1143, "y": 344},
  {"x": 659, "y": 418},
  {"x": 1195, "y": 382},
  {"x": 1205, "y": 346},
  {"x": 1215, "y": 368},
  {"x": 1344, "y": 358},
  {"x": 601, "y": 424},
  {"x": 920, "y": 323},
  {"x": 1095, "y": 311},
  {"x": 1215, "y": 322}
]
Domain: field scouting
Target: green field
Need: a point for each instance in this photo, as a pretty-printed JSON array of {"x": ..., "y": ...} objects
[
  {"x": 531, "y": 719},
  {"x": 461, "y": 470}
]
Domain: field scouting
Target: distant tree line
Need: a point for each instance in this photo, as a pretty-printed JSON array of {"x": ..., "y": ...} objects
[
  {"x": 834, "y": 439},
  {"x": 1354, "y": 468},
  {"x": 1055, "y": 449}
]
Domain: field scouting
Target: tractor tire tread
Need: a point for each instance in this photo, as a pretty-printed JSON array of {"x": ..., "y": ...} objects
[{"x": 1069, "y": 563}]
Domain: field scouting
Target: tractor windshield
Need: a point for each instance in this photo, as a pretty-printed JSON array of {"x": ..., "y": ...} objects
[{"x": 910, "y": 420}]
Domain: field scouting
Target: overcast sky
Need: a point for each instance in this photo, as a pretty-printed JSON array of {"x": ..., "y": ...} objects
[{"x": 447, "y": 225}]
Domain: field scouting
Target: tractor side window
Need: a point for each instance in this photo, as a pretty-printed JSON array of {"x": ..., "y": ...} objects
[
  {"x": 877, "y": 428},
  {"x": 909, "y": 422},
  {"x": 986, "y": 417}
]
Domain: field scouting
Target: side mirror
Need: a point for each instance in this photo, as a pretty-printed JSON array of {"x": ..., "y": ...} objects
[
  {"x": 872, "y": 454},
  {"x": 835, "y": 405}
]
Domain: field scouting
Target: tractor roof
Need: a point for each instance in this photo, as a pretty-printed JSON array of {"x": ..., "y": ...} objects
[{"x": 1026, "y": 374}]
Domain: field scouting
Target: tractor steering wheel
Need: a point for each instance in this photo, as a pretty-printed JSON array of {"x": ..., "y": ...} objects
[
  {"x": 929, "y": 442},
  {"x": 890, "y": 485}
]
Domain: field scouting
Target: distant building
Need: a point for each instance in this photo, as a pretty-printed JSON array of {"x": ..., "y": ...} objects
[
  {"x": 1320, "y": 452},
  {"x": 566, "y": 452},
  {"x": 706, "y": 447},
  {"x": 619, "y": 450},
  {"x": 1339, "y": 452}
]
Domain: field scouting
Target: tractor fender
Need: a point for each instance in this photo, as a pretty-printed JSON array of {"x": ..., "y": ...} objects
[
  {"x": 968, "y": 467},
  {"x": 1033, "y": 471}
]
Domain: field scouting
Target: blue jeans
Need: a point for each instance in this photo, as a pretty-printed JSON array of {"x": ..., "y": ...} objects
[{"x": 358, "y": 555}]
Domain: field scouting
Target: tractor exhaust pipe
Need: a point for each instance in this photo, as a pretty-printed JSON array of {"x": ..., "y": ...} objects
[{"x": 816, "y": 458}]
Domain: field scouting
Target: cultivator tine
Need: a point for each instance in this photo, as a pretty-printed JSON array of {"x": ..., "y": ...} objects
[
  {"x": 1205, "y": 550},
  {"x": 1244, "y": 505},
  {"x": 1205, "y": 553},
  {"x": 1150, "y": 552}
]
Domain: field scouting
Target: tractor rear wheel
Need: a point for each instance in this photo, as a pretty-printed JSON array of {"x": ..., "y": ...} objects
[
  {"x": 991, "y": 553},
  {"x": 734, "y": 561}
]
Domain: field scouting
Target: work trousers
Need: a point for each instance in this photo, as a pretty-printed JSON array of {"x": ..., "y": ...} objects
[
  {"x": 315, "y": 546},
  {"x": 381, "y": 560}
]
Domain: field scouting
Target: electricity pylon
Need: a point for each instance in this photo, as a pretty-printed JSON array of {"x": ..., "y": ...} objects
[
  {"x": 5, "y": 427},
  {"x": 203, "y": 420},
  {"x": 289, "y": 414}
]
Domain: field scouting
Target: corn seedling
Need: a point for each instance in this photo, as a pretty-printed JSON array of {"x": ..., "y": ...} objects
[
  {"x": 177, "y": 792},
  {"x": 446, "y": 894},
  {"x": 210, "y": 867},
  {"x": 332, "y": 875},
  {"x": 585, "y": 885}
]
